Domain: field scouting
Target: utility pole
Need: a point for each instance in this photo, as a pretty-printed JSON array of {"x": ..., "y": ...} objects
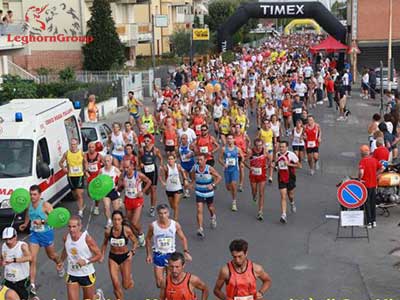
[
  {"x": 389, "y": 48},
  {"x": 151, "y": 19}
]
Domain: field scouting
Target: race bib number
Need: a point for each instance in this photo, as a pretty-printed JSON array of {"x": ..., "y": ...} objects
[
  {"x": 131, "y": 192},
  {"x": 298, "y": 110},
  {"x": 164, "y": 244},
  {"x": 243, "y": 298},
  {"x": 38, "y": 228},
  {"x": 311, "y": 144},
  {"x": 169, "y": 142},
  {"x": 256, "y": 171},
  {"x": 282, "y": 165},
  {"x": 11, "y": 274},
  {"x": 75, "y": 267},
  {"x": 149, "y": 168},
  {"x": 231, "y": 162},
  {"x": 174, "y": 179},
  {"x": 93, "y": 168},
  {"x": 76, "y": 170},
  {"x": 204, "y": 149},
  {"x": 285, "y": 109},
  {"x": 268, "y": 146},
  {"x": 185, "y": 157},
  {"x": 117, "y": 242}
]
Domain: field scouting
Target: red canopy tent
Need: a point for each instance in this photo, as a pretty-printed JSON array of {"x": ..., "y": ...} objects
[{"x": 329, "y": 45}]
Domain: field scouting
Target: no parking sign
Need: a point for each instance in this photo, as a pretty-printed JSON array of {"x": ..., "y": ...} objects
[{"x": 352, "y": 194}]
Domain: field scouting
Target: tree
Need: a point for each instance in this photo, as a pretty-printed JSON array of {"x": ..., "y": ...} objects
[
  {"x": 106, "y": 50},
  {"x": 339, "y": 10},
  {"x": 14, "y": 87},
  {"x": 180, "y": 44}
]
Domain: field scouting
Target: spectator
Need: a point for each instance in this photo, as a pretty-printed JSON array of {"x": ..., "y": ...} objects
[
  {"x": 388, "y": 137},
  {"x": 381, "y": 152},
  {"x": 92, "y": 109},
  {"x": 178, "y": 78},
  {"x": 1, "y": 17},
  {"x": 372, "y": 82},
  {"x": 330, "y": 89},
  {"x": 368, "y": 170},
  {"x": 8, "y": 19},
  {"x": 341, "y": 100},
  {"x": 365, "y": 84},
  {"x": 346, "y": 82}
]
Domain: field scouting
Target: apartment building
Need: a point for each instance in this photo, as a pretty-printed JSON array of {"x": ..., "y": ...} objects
[{"x": 133, "y": 19}]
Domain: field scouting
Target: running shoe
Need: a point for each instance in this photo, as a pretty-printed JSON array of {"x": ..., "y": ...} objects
[
  {"x": 200, "y": 233},
  {"x": 152, "y": 211},
  {"x": 373, "y": 224},
  {"x": 80, "y": 213},
  {"x": 312, "y": 172},
  {"x": 100, "y": 295},
  {"x": 142, "y": 241},
  {"x": 283, "y": 219},
  {"x": 214, "y": 222},
  {"x": 260, "y": 216},
  {"x": 317, "y": 165},
  {"x": 293, "y": 208},
  {"x": 234, "y": 206},
  {"x": 61, "y": 272},
  {"x": 270, "y": 179},
  {"x": 369, "y": 226},
  {"x": 187, "y": 194},
  {"x": 255, "y": 200},
  {"x": 96, "y": 211},
  {"x": 240, "y": 188},
  {"x": 108, "y": 224},
  {"x": 33, "y": 289}
]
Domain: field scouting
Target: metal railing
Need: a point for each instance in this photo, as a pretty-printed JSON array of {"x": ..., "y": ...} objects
[
  {"x": 128, "y": 33},
  {"x": 86, "y": 76},
  {"x": 14, "y": 69}
]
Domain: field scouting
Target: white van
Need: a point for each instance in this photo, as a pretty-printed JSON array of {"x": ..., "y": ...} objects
[{"x": 34, "y": 134}]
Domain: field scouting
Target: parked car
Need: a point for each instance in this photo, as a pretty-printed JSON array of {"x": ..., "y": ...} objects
[
  {"x": 394, "y": 82},
  {"x": 95, "y": 132}
]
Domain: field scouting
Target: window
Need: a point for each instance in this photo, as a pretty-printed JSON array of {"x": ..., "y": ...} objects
[
  {"x": 43, "y": 150},
  {"x": 88, "y": 135},
  {"x": 103, "y": 133},
  {"x": 108, "y": 129},
  {"x": 71, "y": 126},
  {"x": 16, "y": 158}
]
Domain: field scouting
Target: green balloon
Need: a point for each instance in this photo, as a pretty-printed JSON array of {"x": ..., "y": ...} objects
[
  {"x": 58, "y": 217},
  {"x": 20, "y": 199},
  {"x": 100, "y": 186}
]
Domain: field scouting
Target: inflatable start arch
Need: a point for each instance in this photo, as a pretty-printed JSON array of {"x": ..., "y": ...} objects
[
  {"x": 297, "y": 22},
  {"x": 297, "y": 10}
]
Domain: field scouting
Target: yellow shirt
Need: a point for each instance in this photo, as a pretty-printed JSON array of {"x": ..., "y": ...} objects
[
  {"x": 234, "y": 112},
  {"x": 3, "y": 292},
  {"x": 242, "y": 120},
  {"x": 266, "y": 136},
  {"x": 132, "y": 103},
  {"x": 224, "y": 124},
  {"x": 177, "y": 115},
  {"x": 260, "y": 100},
  {"x": 75, "y": 163}
]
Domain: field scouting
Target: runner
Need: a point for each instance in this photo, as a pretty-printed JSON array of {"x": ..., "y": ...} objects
[
  {"x": 149, "y": 121},
  {"x": 204, "y": 180},
  {"x": 207, "y": 145},
  {"x": 75, "y": 165},
  {"x": 197, "y": 121},
  {"x": 120, "y": 257},
  {"x": 113, "y": 196},
  {"x": 189, "y": 132},
  {"x": 217, "y": 114},
  {"x": 82, "y": 252},
  {"x": 41, "y": 234},
  {"x": 133, "y": 108},
  {"x": 180, "y": 285},
  {"x": 224, "y": 126},
  {"x": 287, "y": 163},
  {"x": 229, "y": 159},
  {"x": 170, "y": 138},
  {"x": 312, "y": 138},
  {"x": 116, "y": 142},
  {"x": 131, "y": 182},
  {"x": 298, "y": 141},
  {"x": 240, "y": 276},
  {"x": 287, "y": 113},
  {"x": 129, "y": 135},
  {"x": 94, "y": 161},
  {"x": 147, "y": 157},
  {"x": 186, "y": 155},
  {"x": 15, "y": 258},
  {"x": 297, "y": 109},
  {"x": 241, "y": 141},
  {"x": 142, "y": 133},
  {"x": 258, "y": 174},
  {"x": 173, "y": 184},
  {"x": 267, "y": 136},
  {"x": 129, "y": 155},
  {"x": 161, "y": 244},
  {"x": 9, "y": 294}
]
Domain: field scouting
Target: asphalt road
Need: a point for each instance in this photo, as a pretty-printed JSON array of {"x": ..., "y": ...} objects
[{"x": 302, "y": 256}]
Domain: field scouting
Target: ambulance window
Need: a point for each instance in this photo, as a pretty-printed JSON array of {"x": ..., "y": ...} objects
[
  {"x": 71, "y": 126},
  {"x": 43, "y": 151},
  {"x": 103, "y": 132},
  {"x": 108, "y": 129}
]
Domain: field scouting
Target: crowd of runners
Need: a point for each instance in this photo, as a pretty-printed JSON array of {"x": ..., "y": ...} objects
[{"x": 251, "y": 118}]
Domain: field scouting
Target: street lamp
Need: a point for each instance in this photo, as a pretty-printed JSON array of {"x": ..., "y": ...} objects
[{"x": 390, "y": 48}]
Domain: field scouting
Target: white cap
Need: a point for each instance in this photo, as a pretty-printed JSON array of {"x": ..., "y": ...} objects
[{"x": 9, "y": 232}]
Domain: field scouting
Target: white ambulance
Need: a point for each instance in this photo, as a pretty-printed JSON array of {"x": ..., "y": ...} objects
[{"x": 34, "y": 134}]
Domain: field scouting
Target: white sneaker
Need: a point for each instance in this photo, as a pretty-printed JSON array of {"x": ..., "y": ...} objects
[
  {"x": 100, "y": 295},
  {"x": 80, "y": 213},
  {"x": 187, "y": 194},
  {"x": 200, "y": 232},
  {"x": 61, "y": 272},
  {"x": 214, "y": 222},
  {"x": 317, "y": 165},
  {"x": 108, "y": 224},
  {"x": 283, "y": 219},
  {"x": 340, "y": 118},
  {"x": 312, "y": 172},
  {"x": 142, "y": 241},
  {"x": 373, "y": 224},
  {"x": 293, "y": 208},
  {"x": 96, "y": 211},
  {"x": 234, "y": 206}
]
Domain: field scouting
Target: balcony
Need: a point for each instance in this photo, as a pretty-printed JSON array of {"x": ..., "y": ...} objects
[
  {"x": 128, "y": 34},
  {"x": 8, "y": 45},
  {"x": 144, "y": 32}
]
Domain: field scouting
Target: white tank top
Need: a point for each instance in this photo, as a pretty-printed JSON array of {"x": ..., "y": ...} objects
[
  {"x": 118, "y": 141},
  {"x": 132, "y": 186},
  {"x": 173, "y": 180},
  {"x": 217, "y": 111},
  {"x": 112, "y": 173},
  {"x": 76, "y": 250},
  {"x": 297, "y": 141},
  {"x": 275, "y": 129},
  {"x": 185, "y": 108},
  {"x": 164, "y": 238},
  {"x": 130, "y": 137},
  {"x": 15, "y": 271}
]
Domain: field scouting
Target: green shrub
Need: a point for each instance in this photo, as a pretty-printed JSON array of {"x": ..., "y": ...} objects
[
  {"x": 15, "y": 87},
  {"x": 68, "y": 74},
  {"x": 228, "y": 57}
]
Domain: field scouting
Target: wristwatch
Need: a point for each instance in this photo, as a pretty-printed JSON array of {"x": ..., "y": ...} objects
[
  {"x": 213, "y": 185},
  {"x": 15, "y": 259}
]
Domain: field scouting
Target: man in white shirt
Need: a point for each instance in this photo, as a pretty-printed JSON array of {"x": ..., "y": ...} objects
[
  {"x": 308, "y": 71},
  {"x": 301, "y": 89},
  {"x": 188, "y": 131},
  {"x": 346, "y": 81}
]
